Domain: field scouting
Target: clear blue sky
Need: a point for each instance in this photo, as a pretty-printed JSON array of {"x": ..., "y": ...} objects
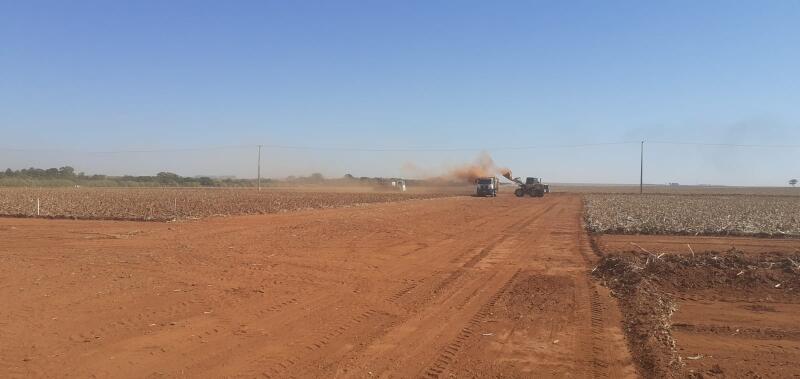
[{"x": 114, "y": 75}]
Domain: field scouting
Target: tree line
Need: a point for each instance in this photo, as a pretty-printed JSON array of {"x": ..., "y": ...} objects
[{"x": 67, "y": 176}]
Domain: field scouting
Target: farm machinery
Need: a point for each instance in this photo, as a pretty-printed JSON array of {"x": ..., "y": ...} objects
[
  {"x": 531, "y": 186},
  {"x": 486, "y": 186}
]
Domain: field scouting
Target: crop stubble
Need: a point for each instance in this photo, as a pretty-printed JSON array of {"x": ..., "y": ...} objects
[
  {"x": 161, "y": 204},
  {"x": 774, "y": 216}
]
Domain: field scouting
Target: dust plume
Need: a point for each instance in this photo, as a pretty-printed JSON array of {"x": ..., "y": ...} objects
[
  {"x": 506, "y": 174},
  {"x": 483, "y": 166},
  {"x": 411, "y": 170}
]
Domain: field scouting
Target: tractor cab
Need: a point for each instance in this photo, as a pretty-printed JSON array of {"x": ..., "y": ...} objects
[{"x": 529, "y": 180}]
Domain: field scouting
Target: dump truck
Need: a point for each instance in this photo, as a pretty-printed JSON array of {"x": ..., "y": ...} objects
[{"x": 486, "y": 186}]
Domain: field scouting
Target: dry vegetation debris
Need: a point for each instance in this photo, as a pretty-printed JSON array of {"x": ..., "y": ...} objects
[
  {"x": 162, "y": 204},
  {"x": 647, "y": 286},
  {"x": 693, "y": 214}
]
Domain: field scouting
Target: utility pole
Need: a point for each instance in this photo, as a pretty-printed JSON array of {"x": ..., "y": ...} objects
[
  {"x": 641, "y": 169},
  {"x": 259, "y": 167}
]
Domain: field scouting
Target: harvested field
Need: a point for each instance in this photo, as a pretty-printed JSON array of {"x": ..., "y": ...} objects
[
  {"x": 697, "y": 312},
  {"x": 452, "y": 287},
  {"x": 674, "y": 190},
  {"x": 161, "y": 204},
  {"x": 775, "y": 216}
]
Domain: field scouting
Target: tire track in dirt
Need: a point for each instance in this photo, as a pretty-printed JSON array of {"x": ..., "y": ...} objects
[
  {"x": 504, "y": 235},
  {"x": 449, "y": 352},
  {"x": 589, "y": 343},
  {"x": 394, "y": 298},
  {"x": 598, "y": 364},
  {"x": 471, "y": 285},
  {"x": 445, "y": 253},
  {"x": 284, "y": 368},
  {"x": 606, "y": 318},
  {"x": 467, "y": 334}
]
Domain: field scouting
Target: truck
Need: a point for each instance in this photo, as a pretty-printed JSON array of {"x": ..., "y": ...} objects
[
  {"x": 486, "y": 186},
  {"x": 399, "y": 185}
]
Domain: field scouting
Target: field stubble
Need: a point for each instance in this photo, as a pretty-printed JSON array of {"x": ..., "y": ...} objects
[
  {"x": 773, "y": 216},
  {"x": 162, "y": 204}
]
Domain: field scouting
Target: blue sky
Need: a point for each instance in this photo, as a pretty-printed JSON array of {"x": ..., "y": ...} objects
[{"x": 84, "y": 76}]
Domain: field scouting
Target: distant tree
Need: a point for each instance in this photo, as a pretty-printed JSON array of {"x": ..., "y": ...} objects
[
  {"x": 168, "y": 178},
  {"x": 33, "y": 172},
  {"x": 66, "y": 171},
  {"x": 66, "y": 175},
  {"x": 348, "y": 176},
  {"x": 317, "y": 177},
  {"x": 793, "y": 182},
  {"x": 206, "y": 181}
]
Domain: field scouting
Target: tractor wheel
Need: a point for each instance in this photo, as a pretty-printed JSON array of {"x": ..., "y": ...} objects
[{"x": 519, "y": 192}]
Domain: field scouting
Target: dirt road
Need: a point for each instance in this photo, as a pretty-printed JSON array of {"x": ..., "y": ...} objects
[{"x": 455, "y": 287}]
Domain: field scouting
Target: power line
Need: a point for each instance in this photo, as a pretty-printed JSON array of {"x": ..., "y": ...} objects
[
  {"x": 724, "y": 144},
  {"x": 399, "y": 149},
  {"x": 442, "y": 149},
  {"x": 327, "y": 148},
  {"x": 207, "y": 148}
]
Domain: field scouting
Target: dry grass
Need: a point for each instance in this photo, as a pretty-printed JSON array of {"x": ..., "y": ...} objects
[
  {"x": 169, "y": 203},
  {"x": 693, "y": 214},
  {"x": 675, "y": 190}
]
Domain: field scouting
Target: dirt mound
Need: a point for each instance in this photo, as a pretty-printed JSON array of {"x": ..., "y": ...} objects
[
  {"x": 732, "y": 270},
  {"x": 647, "y": 286},
  {"x": 647, "y": 310}
]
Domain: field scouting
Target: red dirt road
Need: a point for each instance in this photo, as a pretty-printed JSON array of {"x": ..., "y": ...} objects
[{"x": 456, "y": 287}]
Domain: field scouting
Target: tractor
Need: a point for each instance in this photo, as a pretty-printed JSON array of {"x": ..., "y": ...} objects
[{"x": 532, "y": 186}]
